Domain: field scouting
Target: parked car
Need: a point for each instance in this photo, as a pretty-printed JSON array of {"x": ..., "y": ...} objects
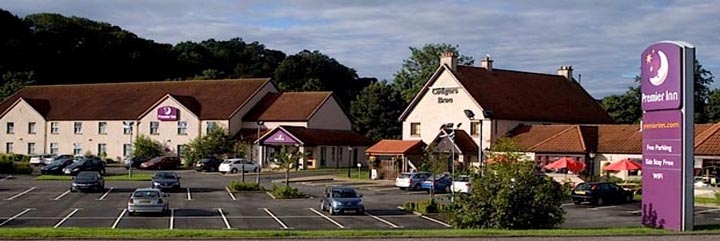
[
  {"x": 462, "y": 184},
  {"x": 166, "y": 180},
  {"x": 238, "y": 164},
  {"x": 133, "y": 162},
  {"x": 41, "y": 160},
  {"x": 56, "y": 167},
  {"x": 162, "y": 162},
  {"x": 208, "y": 164},
  {"x": 85, "y": 164},
  {"x": 88, "y": 181},
  {"x": 148, "y": 200},
  {"x": 340, "y": 199},
  {"x": 411, "y": 180},
  {"x": 442, "y": 183},
  {"x": 600, "y": 193}
]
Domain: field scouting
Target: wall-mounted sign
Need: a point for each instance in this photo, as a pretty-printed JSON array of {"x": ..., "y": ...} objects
[
  {"x": 168, "y": 113},
  {"x": 280, "y": 138},
  {"x": 445, "y": 91},
  {"x": 667, "y": 132}
]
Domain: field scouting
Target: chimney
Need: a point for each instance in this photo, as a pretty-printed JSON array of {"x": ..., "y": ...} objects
[
  {"x": 487, "y": 63},
  {"x": 450, "y": 59},
  {"x": 566, "y": 71}
]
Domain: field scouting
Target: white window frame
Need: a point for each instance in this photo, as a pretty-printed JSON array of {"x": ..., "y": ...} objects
[
  {"x": 32, "y": 127},
  {"x": 77, "y": 127},
  {"x": 154, "y": 128},
  {"x": 412, "y": 129},
  {"x": 54, "y": 148},
  {"x": 127, "y": 129},
  {"x": 210, "y": 125},
  {"x": 182, "y": 128},
  {"x": 102, "y": 147},
  {"x": 102, "y": 128},
  {"x": 127, "y": 149},
  {"x": 77, "y": 149},
  {"x": 54, "y": 128},
  {"x": 9, "y": 147},
  {"x": 31, "y": 148},
  {"x": 10, "y": 128}
]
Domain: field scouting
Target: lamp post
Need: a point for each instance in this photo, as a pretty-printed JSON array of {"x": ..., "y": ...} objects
[
  {"x": 451, "y": 137},
  {"x": 350, "y": 149},
  {"x": 470, "y": 115},
  {"x": 591, "y": 164},
  {"x": 129, "y": 126},
  {"x": 259, "y": 156}
]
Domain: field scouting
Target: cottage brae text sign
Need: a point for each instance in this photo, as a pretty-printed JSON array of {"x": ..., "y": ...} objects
[
  {"x": 667, "y": 140},
  {"x": 168, "y": 113},
  {"x": 445, "y": 91}
]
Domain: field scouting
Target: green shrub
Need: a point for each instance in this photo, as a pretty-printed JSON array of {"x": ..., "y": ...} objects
[
  {"x": 22, "y": 168},
  {"x": 424, "y": 207},
  {"x": 286, "y": 192},
  {"x": 14, "y": 158},
  {"x": 235, "y": 186},
  {"x": 717, "y": 198},
  {"x": 6, "y": 166}
]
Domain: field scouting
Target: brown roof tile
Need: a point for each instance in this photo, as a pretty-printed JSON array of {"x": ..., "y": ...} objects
[
  {"x": 463, "y": 141},
  {"x": 707, "y": 139},
  {"x": 314, "y": 137},
  {"x": 398, "y": 147},
  {"x": 619, "y": 139},
  {"x": 212, "y": 99},
  {"x": 288, "y": 106},
  {"x": 527, "y": 136}
]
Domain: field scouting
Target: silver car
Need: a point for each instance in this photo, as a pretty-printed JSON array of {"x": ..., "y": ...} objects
[{"x": 148, "y": 200}]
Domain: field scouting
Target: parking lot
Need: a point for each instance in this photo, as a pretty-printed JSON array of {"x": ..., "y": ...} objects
[{"x": 204, "y": 203}]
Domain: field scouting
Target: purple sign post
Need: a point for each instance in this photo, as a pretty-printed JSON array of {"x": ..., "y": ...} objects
[{"x": 667, "y": 131}]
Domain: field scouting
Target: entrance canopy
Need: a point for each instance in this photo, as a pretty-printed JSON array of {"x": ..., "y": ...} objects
[
  {"x": 464, "y": 143},
  {"x": 396, "y": 147},
  {"x": 301, "y": 136}
]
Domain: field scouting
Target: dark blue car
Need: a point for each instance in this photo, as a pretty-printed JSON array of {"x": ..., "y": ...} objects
[{"x": 442, "y": 183}]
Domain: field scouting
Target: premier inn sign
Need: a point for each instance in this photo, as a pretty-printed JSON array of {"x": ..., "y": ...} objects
[{"x": 168, "y": 113}]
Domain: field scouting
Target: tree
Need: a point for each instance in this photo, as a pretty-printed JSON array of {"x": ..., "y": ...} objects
[
  {"x": 702, "y": 80},
  {"x": 146, "y": 148},
  {"x": 423, "y": 62},
  {"x": 376, "y": 110},
  {"x": 435, "y": 161},
  {"x": 625, "y": 108},
  {"x": 216, "y": 143},
  {"x": 287, "y": 160},
  {"x": 14, "y": 81},
  {"x": 713, "y": 106},
  {"x": 509, "y": 196}
]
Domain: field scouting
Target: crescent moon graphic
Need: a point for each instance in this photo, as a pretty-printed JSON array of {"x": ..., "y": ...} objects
[
  {"x": 167, "y": 110},
  {"x": 662, "y": 71}
]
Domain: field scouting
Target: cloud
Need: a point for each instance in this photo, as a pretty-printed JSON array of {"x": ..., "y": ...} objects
[{"x": 601, "y": 40}]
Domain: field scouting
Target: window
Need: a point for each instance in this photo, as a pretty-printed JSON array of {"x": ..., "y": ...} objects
[
  {"x": 475, "y": 128},
  {"x": 210, "y": 126},
  {"x": 127, "y": 149},
  {"x": 102, "y": 127},
  {"x": 31, "y": 127},
  {"x": 9, "y": 147},
  {"x": 54, "y": 148},
  {"x": 10, "y": 128},
  {"x": 31, "y": 148},
  {"x": 102, "y": 148},
  {"x": 77, "y": 149},
  {"x": 54, "y": 129},
  {"x": 182, "y": 128},
  {"x": 154, "y": 125},
  {"x": 127, "y": 129},
  {"x": 181, "y": 150},
  {"x": 415, "y": 129},
  {"x": 78, "y": 128}
]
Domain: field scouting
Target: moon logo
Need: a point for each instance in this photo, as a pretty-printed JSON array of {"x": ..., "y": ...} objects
[
  {"x": 662, "y": 70},
  {"x": 167, "y": 110}
]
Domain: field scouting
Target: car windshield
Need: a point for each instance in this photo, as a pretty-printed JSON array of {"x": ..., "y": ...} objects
[
  {"x": 146, "y": 194},
  {"x": 165, "y": 175},
  {"x": 404, "y": 176},
  {"x": 86, "y": 176},
  {"x": 228, "y": 161},
  {"x": 344, "y": 194},
  {"x": 58, "y": 162},
  {"x": 586, "y": 186},
  {"x": 463, "y": 179}
]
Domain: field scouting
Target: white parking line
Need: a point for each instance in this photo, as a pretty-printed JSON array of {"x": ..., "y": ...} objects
[
  {"x": 602, "y": 207},
  {"x": 16, "y": 216},
  {"x": 172, "y": 218},
  {"x": 566, "y": 204},
  {"x": 227, "y": 224},
  {"x": 118, "y": 218},
  {"x": 20, "y": 194},
  {"x": 383, "y": 189},
  {"x": 436, "y": 221},
  {"x": 636, "y": 211},
  {"x": 66, "y": 218},
  {"x": 230, "y": 193},
  {"x": 189, "y": 196},
  {"x": 708, "y": 211},
  {"x": 106, "y": 194},
  {"x": 5, "y": 178},
  {"x": 382, "y": 220},
  {"x": 276, "y": 218},
  {"x": 328, "y": 218},
  {"x": 61, "y": 195}
]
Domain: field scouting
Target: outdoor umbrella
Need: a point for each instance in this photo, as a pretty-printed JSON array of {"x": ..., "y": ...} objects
[
  {"x": 624, "y": 165},
  {"x": 567, "y": 163}
]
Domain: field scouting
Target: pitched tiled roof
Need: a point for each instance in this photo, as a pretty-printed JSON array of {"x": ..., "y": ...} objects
[
  {"x": 463, "y": 141},
  {"x": 249, "y": 135},
  {"x": 288, "y": 106},
  {"x": 396, "y": 147},
  {"x": 212, "y": 99},
  {"x": 314, "y": 137},
  {"x": 620, "y": 139},
  {"x": 707, "y": 142}
]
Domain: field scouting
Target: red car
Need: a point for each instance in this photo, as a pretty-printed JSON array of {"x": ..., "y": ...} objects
[{"x": 162, "y": 162}]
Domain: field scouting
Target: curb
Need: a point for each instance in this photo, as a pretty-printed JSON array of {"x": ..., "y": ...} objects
[{"x": 272, "y": 196}]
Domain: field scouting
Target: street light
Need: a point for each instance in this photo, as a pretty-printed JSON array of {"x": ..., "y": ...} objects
[
  {"x": 591, "y": 164},
  {"x": 486, "y": 114},
  {"x": 257, "y": 176},
  {"x": 129, "y": 126},
  {"x": 451, "y": 137},
  {"x": 350, "y": 149}
]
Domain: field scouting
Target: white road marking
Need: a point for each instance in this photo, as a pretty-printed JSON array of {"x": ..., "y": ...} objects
[
  {"x": 106, "y": 194},
  {"x": 227, "y": 224},
  {"x": 61, "y": 195},
  {"x": 383, "y": 189},
  {"x": 230, "y": 193},
  {"x": 5, "y": 178},
  {"x": 188, "y": 192},
  {"x": 172, "y": 218},
  {"x": 66, "y": 218},
  {"x": 566, "y": 204},
  {"x": 636, "y": 211},
  {"x": 327, "y": 218},
  {"x": 20, "y": 194},
  {"x": 708, "y": 211},
  {"x": 16, "y": 216},
  {"x": 436, "y": 221},
  {"x": 382, "y": 220},
  {"x": 276, "y": 218},
  {"x": 603, "y": 207},
  {"x": 118, "y": 218}
]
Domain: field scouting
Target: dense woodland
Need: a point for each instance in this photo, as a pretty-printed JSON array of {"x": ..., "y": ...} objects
[{"x": 47, "y": 49}]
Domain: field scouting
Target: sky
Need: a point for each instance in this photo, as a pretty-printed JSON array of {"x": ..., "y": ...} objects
[{"x": 602, "y": 40}]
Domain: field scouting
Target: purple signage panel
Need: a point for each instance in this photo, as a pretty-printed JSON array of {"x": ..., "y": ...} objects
[
  {"x": 168, "y": 113},
  {"x": 280, "y": 138},
  {"x": 661, "y": 77}
]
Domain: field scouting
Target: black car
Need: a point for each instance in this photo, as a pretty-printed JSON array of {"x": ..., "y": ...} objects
[
  {"x": 85, "y": 164},
  {"x": 134, "y": 162},
  {"x": 56, "y": 167},
  {"x": 600, "y": 193},
  {"x": 166, "y": 180},
  {"x": 208, "y": 164},
  {"x": 88, "y": 181}
]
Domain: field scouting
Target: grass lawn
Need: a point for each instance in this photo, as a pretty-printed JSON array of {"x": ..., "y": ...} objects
[
  {"x": 698, "y": 200},
  {"x": 342, "y": 173},
  {"x": 108, "y": 177},
  {"x": 425, "y": 233}
]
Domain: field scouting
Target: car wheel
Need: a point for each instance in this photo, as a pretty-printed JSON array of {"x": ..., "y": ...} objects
[
  {"x": 234, "y": 170},
  {"x": 102, "y": 172},
  {"x": 576, "y": 202},
  {"x": 131, "y": 213},
  {"x": 361, "y": 212},
  {"x": 416, "y": 187},
  {"x": 330, "y": 211},
  {"x": 403, "y": 188},
  {"x": 628, "y": 199},
  {"x": 256, "y": 169},
  {"x": 600, "y": 201},
  {"x": 322, "y": 205},
  {"x": 72, "y": 189}
]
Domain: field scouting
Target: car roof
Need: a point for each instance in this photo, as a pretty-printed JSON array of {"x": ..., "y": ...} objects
[
  {"x": 342, "y": 188},
  {"x": 165, "y": 172},
  {"x": 146, "y": 189}
]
